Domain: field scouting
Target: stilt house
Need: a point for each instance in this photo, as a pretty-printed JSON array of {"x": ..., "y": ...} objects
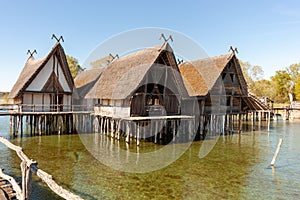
[
  {"x": 44, "y": 84},
  {"x": 84, "y": 82},
  {"x": 218, "y": 84},
  {"x": 221, "y": 92},
  {"x": 144, "y": 83}
]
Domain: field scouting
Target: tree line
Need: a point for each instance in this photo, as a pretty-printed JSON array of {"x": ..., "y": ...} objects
[{"x": 283, "y": 87}]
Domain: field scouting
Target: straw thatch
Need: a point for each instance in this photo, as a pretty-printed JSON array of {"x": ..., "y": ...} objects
[
  {"x": 87, "y": 79},
  {"x": 123, "y": 76},
  {"x": 33, "y": 67},
  {"x": 201, "y": 75},
  {"x": 254, "y": 103}
]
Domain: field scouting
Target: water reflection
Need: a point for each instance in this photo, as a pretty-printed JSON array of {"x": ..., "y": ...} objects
[{"x": 236, "y": 168}]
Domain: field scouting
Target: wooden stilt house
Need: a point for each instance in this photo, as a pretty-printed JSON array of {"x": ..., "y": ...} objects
[
  {"x": 218, "y": 82},
  {"x": 219, "y": 85},
  {"x": 44, "y": 84},
  {"x": 84, "y": 82},
  {"x": 143, "y": 83}
]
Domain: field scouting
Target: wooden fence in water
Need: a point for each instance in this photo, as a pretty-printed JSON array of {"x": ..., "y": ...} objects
[{"x": 28, "y": 167}]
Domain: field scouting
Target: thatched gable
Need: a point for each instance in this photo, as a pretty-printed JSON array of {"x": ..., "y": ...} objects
[
  {"x": 124, "y": 75},
  {"x": 87, "y": 79},
  {"x": 200, "y": 76},
  {"x": 33, "y": 67}
]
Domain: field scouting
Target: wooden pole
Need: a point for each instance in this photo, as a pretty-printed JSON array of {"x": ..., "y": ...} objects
[
  {"x": 21, "y": 119},
  {"x": 112, "y": 130},
  {"x": 155, "y": 132},
  {"x": 174, "y": 130},
  {"x": 138, "y": 134},
  {"x": 240, "y": 123},
  {"x": 101, "y": 125},
  {"x": 276, "y": 152},
  {"x": 31, "y": 165},
  {"x": 269, "y": 119},
  {"x": 127, "y": 132},
  {"x": 118, "y": 129},
  {"x": 14, "y": 184}
]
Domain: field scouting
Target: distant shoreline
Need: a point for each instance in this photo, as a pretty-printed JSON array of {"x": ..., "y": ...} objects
[{"x": 3, "y": 97}]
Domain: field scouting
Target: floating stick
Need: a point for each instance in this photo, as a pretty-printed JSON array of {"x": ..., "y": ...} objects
[{"x": 276, "y": 152}]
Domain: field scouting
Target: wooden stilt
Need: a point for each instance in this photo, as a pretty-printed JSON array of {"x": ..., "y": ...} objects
[
  {"x": 21, "y": 119},
  {"x": 156, "y": 131},
  {"x": 118, "y": 129},
  {"x": 101, "y": 125},
  {"x": 127, "y": 131},
  {"x": 112, "y": 131},
  {"x": 138, "y": 134},
  {"x": 269, "y": 120},
  {"x": 240, "y": 123},
  {"x": 174, "y": 130}
]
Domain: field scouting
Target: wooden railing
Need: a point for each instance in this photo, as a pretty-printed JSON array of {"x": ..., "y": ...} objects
[
  {"x": 28, "y": 167},
  {"x": 50, "y": 108}
]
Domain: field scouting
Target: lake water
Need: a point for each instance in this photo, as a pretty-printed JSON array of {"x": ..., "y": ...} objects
[{"x": 236, "y": 168}]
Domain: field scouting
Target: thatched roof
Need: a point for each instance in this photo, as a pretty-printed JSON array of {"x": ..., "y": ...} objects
[
  {"x": 254, "y": 103},
  {"x": 33, "y": 67},
  {"x": 87, "y": 79},
  {"x": 201, "y": 75},
  {"x": 123, "y": 75}
]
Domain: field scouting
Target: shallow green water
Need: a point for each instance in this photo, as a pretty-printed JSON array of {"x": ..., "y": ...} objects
[{"x": 236, "y": 168}]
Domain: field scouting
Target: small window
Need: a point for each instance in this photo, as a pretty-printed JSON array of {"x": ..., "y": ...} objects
[
  {"x": 223, "y": 76},
  {"x": 232, "y": 76},
  {"x": 228, "y": 101},
  {"x": 156, "y": 101}
]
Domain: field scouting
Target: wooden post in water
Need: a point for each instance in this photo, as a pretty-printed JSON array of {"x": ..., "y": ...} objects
[
  {"x": 118, "y": 124},
  {"x": 127, "y": 132},
  {"x": 112, "y": 130},
  {"x": 253, "y": 120},
  {"x": 101, "y": 124},
  {"x": 174, "y": 130},
  {"x": 21, "y": 119},
  {"x": 155, "y": 131},
  {"x": 138, "y": 134},
  {"x": 240, "y": 123},
  {"x": 276, "y": 152},
  {"x": 269, "y": 120}
]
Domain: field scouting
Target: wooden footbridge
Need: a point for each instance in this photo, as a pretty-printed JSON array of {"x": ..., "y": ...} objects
[
  {"x": 11, "y": 189},
  {"x": 45, "y": 120},
  {"x": 6, "y": 188}
]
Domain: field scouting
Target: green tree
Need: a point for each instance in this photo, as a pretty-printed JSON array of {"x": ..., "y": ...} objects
[
  {"x": 294, "y": 71},
  {"x": 75, "y": 68},
  {"x": 297, "y": 89},
  {"x": 252, "y": 72},
  {"x": 264, "y": 88},
  {"x": 283, "y": 83},
  {"x": 245, "y": 69},
  {"x": 252, "y": 75}
]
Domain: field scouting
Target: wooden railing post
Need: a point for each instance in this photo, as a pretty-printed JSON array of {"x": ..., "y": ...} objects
[
  {"x": 28, "y": 167},
  {"x": 14, "y": 184}
]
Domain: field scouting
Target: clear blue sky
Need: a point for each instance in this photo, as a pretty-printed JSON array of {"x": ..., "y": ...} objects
[{"x": 267, "y": 33}]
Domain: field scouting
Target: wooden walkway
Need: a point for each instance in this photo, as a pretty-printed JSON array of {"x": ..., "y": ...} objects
[
  {"x": 29, "y": 167},
  {"x": 46, "y": 113},
  {"x": 6, "y": 190}
]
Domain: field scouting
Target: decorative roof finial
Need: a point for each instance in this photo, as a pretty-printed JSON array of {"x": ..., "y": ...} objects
[
  {"x": 166, "y": 39},
  {"x": 112, "y": 58},
  {"x": 31, "y": 53},
  {"x": 179, "y": 61},
  {"x": 235, "y": 50},
  {"x": 57, "y": 39}
]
